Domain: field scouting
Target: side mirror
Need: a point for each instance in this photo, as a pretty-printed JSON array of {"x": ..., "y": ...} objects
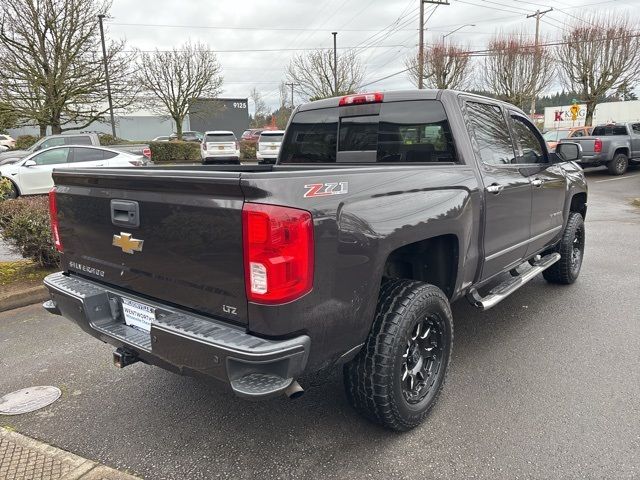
[
  {"x": 29, "y": 163},
  {"x": 569, "y": 151}
]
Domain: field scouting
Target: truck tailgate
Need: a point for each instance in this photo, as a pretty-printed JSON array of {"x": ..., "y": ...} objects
[
  {"x": 587, "y": 144},
  {"x": 190, "y": 233}
]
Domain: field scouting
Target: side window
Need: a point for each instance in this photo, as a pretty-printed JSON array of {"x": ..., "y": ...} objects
[
  {"x": 577, "y": 133},
  {"x": 106, "y": 155},
  {"x": 491, "y": 133},
  {"x": 52, "y": 157},
  {"x": 87, "y": 155},
  {"x": 530, "y": 143},
  {"x": 636, "y": 128},
  {"x": 51, "y": 142},
  {"x": 78, "y": 140}
]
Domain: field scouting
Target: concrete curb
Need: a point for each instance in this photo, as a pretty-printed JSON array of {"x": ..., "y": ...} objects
[
  {"x": 24, "y": 457},
  {"x": 25, "y": 297}
]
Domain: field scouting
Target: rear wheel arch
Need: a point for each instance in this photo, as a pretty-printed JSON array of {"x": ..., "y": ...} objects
[
  {"x": 434, "y": 260},
  {"x": 623, "y": 150}
]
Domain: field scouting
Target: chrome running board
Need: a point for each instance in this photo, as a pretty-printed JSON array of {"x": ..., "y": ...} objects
[{"x": 506, "y": 288}]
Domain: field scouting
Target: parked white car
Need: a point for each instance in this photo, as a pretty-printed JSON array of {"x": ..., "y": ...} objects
[
  {"x": 220, "y": 146},
  {"x": 7, "y": 141},
  {"x": 269, "y": 146},
  {"x": 32, "y": 174}
]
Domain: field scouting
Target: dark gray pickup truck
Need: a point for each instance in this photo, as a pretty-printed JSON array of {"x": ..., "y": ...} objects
[
  {"x": 381, "y": 210},
  {"x": 615, "y": 145}
]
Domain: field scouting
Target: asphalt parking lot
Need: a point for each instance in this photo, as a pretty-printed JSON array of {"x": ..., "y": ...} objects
[{"x": 545, "y": 385}]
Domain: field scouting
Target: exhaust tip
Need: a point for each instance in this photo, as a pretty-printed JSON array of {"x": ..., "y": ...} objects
[{"x": 294, "y": 390}]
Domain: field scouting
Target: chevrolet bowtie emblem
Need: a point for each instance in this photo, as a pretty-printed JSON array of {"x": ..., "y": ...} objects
[{"x": 126, "y": 243}]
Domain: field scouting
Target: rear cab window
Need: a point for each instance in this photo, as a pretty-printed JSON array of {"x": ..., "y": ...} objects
[
  {"x": 219, "y": 137},
  {"x": 271, "y": 137},
  {"x": 78, "y": 140},
  {"x": 609, "y": 130},
  {"x": 414, "y": 131}
]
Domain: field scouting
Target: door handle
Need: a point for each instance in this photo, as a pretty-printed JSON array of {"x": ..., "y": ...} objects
[
  {"x": 495, "y": 188},
  {"x": 536, "y": 182}
]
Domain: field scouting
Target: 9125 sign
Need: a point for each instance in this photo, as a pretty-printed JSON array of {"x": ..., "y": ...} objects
[{"x": 240, "y": 105}]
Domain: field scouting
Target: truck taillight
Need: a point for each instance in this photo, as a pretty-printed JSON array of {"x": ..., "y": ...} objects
[
  {"x": 597, "y": 145},
  {"x": 278, "y": 252},
  {"x": 53, "y": 213},
  {"x": 361, "y": 98}
]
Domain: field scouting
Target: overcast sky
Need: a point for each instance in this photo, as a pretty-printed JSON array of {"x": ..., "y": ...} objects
[{"x": 238, "y": 30}]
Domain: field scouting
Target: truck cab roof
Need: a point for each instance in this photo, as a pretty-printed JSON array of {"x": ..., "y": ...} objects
[{"x": 399, "y": 96}]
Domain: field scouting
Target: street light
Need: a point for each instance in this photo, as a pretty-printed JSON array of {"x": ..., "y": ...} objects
[{"x": 459, "y": 28}]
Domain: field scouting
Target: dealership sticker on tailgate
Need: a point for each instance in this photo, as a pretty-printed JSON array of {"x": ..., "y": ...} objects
[{"x": 138, "y": 315}]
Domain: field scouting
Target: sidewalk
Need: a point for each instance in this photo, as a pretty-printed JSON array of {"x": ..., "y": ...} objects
[
  {"x": 6, "y": 254},
  {"x": 22, "y": 458}
]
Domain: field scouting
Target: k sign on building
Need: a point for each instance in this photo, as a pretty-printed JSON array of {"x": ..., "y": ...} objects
[
  {"x": 560, "y": 117},
  {"x": 219, "y": 114}
]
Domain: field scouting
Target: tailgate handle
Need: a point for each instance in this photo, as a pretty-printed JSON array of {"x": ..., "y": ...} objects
[{"x": 125, "y": 213}]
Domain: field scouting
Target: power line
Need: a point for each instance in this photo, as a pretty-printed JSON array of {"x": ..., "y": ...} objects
[
  {"x": 268, "y": 49},
  {"x": 487, "y": 52}
]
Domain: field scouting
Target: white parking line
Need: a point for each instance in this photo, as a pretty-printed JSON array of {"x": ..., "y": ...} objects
[{"x": 626, "y": 177}]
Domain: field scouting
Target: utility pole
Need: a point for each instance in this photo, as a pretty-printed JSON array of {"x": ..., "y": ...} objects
[
  {"x": 291, "y": 85},
  {"x": 335, "y": 64},
  {"x": 421, "y": 38},
  {"x": 538, "y": 14},
  {"x": 106, "y": 75}
]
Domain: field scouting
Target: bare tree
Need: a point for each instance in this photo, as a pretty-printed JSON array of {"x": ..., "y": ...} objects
[
  {"x": 600, "y": 54},
  {"x": 172, "y": 79},
  {"x": 446, "y": 65},
  {"x": 312, "y": 74},
  {"x": 260, "y": 111},
  {"x": 52, "y": 70},
  {"x": 515, "y": 70}
]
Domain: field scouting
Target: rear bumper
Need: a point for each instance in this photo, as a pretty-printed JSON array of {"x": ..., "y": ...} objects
[
  {"x": 592, "y": 160},
  {"x": 221, "y": 158},
  {"x": 266, "y": 156},
  {"x": 181, "y": 341}
]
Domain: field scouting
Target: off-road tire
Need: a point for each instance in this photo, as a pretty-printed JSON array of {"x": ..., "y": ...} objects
[
  {"x": 565, "y": 271},
  {"x": 373, "y": 379},
  {"x": 619, "y": 164}
]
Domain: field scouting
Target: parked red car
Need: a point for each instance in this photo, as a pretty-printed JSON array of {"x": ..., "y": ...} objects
[{"x": 253, "y": 134}]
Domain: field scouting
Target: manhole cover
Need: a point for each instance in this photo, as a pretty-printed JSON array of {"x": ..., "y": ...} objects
[{"x": 28, "y": 399}]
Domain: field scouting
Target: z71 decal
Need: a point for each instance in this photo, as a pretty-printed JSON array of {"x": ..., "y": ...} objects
[{"x": 326, "y": 189}]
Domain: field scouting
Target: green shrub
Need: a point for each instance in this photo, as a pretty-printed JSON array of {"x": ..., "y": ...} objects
[
  {"x": 26, "y": 227},
  {"x": 25, "y": 141},
  {"x": 5, "y": 188},
  {"x": 107, "y": 139},
  {"x": 175, "y": 152},
  {"x": 247, "y": 150}
]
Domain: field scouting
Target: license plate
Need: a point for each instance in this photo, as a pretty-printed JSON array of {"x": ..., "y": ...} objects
[
  {"x": 220, "y": 148},
  {"x": 138, "y": 314}
]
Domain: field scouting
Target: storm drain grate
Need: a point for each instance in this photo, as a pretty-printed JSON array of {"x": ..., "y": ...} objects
[{"x": 28, "y": 400}]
